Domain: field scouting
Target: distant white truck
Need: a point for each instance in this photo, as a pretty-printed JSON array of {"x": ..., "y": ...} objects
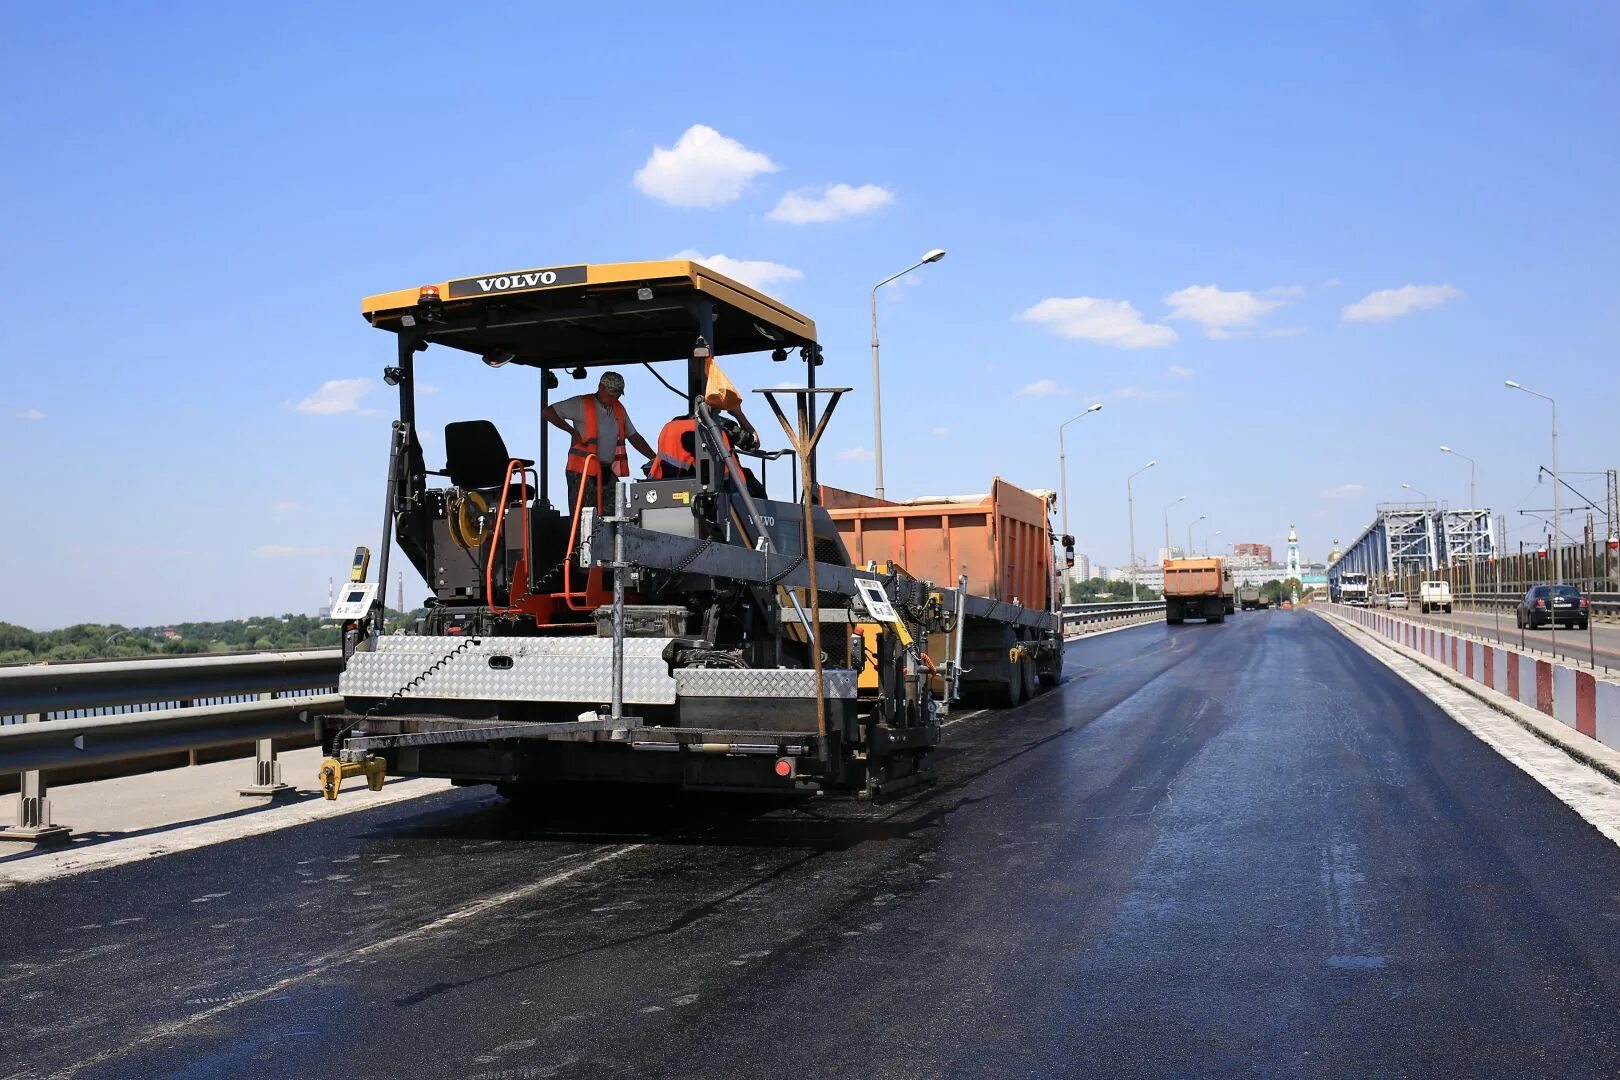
[{"x": 1434, "y": 596}]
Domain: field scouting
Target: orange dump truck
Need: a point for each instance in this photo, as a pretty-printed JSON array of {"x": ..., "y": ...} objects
[
  {"x": 1200, "y": 588},
  {"x": 1011, "y": 643}
]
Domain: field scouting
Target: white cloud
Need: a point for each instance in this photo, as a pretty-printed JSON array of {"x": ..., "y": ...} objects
[
  {"x": 1331, "y": 283},
  {"x": 30, "y": 414},
  {"x": 942, "y": 431},
  {"x": 1178, "y": 372},
  {"x": 856, "y": 453},
  {"x": 1108, "y": 322},
  {"x": 1343, "y": 491},
  {"x": 756, "y": 272},
  {"x": 1042, "y": 388},
  {"x": 703, "y": 168},
  {"x": 805, "y": 206},
  {"x": 336, "y": 396},
  {"x": 1220, "y": 311},
  {"x": 286, "y": 506},
  {"x": 1393, "y": 303},
  {"x": 282, "y": 551}
]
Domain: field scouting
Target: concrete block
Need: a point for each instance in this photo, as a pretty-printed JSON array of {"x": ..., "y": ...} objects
[{"x": 1563, "y": 694}]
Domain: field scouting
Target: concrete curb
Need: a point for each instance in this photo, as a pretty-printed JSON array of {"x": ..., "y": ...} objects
[{"x": 1581, "y": 747}]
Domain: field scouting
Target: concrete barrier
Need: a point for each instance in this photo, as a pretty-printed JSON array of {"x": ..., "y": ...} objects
[{"x": 1578, "y": 699}]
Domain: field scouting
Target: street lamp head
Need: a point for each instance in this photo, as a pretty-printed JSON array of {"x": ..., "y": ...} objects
[
  {"x": 1408, "y": 487},
  {"x": 1445, "y": 449},
  {"x": 1511, "y": 385},
  {"x": 1094, "y": 408},
  {"x": 934, "y": 255},
  {"x": 1150, "y": 465}
]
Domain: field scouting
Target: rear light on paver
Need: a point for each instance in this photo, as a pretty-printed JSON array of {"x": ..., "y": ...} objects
[{"x": 784, "y": 767}]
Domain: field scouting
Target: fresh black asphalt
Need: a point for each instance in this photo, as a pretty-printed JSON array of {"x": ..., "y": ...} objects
[{"x": 1244, "y": 849}]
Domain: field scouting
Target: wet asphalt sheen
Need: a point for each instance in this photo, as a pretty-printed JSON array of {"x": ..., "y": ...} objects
[{"x": 1216, "y": 850}]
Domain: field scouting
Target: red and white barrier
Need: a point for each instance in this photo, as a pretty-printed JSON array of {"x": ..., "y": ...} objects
[{"x": 1589, "y": 704}]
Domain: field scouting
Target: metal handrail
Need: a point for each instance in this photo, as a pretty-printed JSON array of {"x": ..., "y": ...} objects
[
  {"x": 45, "y": 688},
  {"x": 101, "y": 739}
]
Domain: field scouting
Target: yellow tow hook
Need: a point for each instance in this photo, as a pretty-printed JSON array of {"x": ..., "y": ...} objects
[
  {"x": 333, "y": 772},
  {"x": 1019, "y": 653}
]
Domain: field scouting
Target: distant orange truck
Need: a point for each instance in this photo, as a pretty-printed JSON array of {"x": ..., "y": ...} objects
[{"x": 1199, "y": 588}]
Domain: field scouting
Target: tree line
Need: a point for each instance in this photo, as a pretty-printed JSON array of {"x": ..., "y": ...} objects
[{"x": 111, "y": 641}]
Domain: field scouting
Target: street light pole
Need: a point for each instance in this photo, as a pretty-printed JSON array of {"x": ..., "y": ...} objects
[
  {"x": 1130, "y": 513},
  {"x": 1190, "y": 524},
  {"x": 1063, "y": 467},
  {"x": 1063, "y": 482},
  {"x": 1473, "y": 509},
  {"x": 1181, "y": 498},
  {"x": 877, "y": 388},
  {"x": 1558, "y": 520},
  {"x": 1473, "y": 497},
  {"x": 1415, "y": 491}
]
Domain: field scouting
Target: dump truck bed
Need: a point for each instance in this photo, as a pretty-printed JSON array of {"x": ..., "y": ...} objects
[
  {"x": 999, "y": 539},
  {"x": 1193, "y": 577}
]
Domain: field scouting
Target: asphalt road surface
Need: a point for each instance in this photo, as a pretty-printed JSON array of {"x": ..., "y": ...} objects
[
  {"x": 1216, "y": 850},
  {"x": 1603, "y": 642}
]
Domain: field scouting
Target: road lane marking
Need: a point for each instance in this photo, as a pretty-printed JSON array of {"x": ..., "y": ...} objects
[
  {"x": 339, "y": 958},
  {"x": 48, "y": 865},
  {"x": 1585, "y": 790}
]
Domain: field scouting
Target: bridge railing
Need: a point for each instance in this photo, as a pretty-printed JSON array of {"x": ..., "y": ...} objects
[
  {"x": 1604, "y": 605},
  {"x": 98, "y": 713},
  {"x": 1080, "y": 618}
]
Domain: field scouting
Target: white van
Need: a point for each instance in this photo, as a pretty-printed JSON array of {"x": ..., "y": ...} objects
[{"x": 1434, "y": 596}]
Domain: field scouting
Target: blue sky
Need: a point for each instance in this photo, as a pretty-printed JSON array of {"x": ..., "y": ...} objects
[{"x": 1205, "y": 217}]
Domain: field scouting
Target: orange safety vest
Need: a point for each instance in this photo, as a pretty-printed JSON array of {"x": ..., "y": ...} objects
[
  {"x": 673, "y": 457},
  {"x": 585, "y": 445}
]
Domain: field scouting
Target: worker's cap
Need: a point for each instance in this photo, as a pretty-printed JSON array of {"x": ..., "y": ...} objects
[{"x": 612, "y": 382}]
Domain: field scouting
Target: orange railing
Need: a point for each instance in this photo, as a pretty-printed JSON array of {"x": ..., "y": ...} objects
[{"x": 495, "y": 539}]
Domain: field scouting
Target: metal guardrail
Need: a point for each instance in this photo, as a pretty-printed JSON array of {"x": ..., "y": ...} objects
[
  {"x": 283, "y": 690},
  {"x": 1080, "y": 616},
  {"x": 51, "y": 688},
  {"x": 1605, "y": 604}
]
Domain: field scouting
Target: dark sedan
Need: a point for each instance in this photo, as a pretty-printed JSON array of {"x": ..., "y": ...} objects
[{"x": 1545, "y": 604}]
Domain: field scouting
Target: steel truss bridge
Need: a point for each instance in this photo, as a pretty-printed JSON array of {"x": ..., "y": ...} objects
[{"x": 1407, "y": 538}]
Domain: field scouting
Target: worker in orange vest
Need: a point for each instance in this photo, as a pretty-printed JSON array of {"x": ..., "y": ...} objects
[
  {"x": 677, "y": 449},
  {"x": 598, "y": 426}
]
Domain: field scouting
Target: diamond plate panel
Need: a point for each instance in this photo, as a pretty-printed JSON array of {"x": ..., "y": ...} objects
[
  {"x": 762, "y": 682},
  {"x": 573, "y": 670}
]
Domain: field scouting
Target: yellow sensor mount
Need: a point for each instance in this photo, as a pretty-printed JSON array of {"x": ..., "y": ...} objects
[{"x": 362, "y": 563}]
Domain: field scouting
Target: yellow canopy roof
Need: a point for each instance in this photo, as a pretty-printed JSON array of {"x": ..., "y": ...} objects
[{"x": 591, "y": 314}]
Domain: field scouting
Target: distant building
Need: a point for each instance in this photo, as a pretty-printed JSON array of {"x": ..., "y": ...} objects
[
  {"x": 1098, "y": 570},
  {"x": 1082, "y": 568},
  {"x": 1262, "y": 552},
  {"x": 1171, "y": 552},
  {"x": 170, "y": 633}
]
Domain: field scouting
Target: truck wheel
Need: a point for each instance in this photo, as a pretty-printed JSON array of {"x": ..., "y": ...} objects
[
  {"x": 1030, "y": 678},
  {"x": 1012, "y": 691},
  {"x": 1054, "y": 676}
]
